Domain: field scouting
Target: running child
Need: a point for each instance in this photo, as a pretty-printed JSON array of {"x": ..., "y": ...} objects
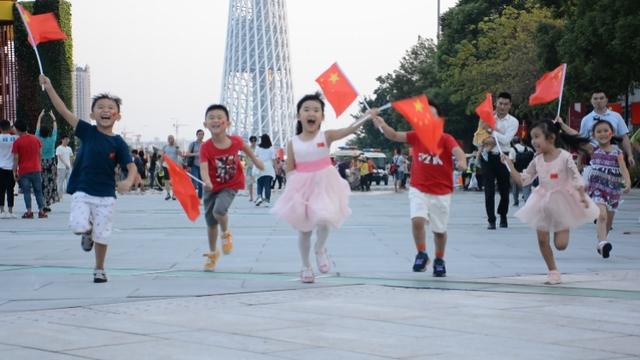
[
  {"x": 92, "y": 182},
  {"x": 559, "y": 202},
  {"x": 430, "y": 191},
  {"x": 608, "y": 178},
  {"x": 316, "y": 197},
  {"x": 221, "y": 171}
]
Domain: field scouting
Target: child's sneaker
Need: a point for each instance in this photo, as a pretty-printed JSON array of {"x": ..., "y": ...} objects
[
  {"x": 324, "y": 265},
  {"x": 553, "y": 278},
  {"x": 227, "y": 242},
  {"x": 604, "y": 248},
  {"x": 421, "y": 262},
  {"x": 27, "y": 215},
  {"x": 306, "y": 276},
  {"x": 42, "y": 214},
  {"x": 86, "y": 241},
  {"x": 259, "y": 201},
  {"x": 212, "y": 260},
  {"x": 99, "y": 276},
  {"x": 439, "y": 270}
]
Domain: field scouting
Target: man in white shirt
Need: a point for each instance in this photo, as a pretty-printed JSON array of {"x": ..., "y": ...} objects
[
  {"x": 601, "y": 111},
  {"x": 64, "y": 154},
  {"x": 7, "y": 181},
  {"x": 493, "y": 169}
]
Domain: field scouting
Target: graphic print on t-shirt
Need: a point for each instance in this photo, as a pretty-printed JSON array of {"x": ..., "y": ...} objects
[
  {"x": 225, "y": 168},
  {"x": 429, "y": 159}
]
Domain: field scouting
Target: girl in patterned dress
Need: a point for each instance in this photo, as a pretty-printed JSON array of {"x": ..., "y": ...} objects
[
  {"x": 316, "y": 197},
  {"x": 608, "y": 178},
  {"x": 559, "y": 202}
]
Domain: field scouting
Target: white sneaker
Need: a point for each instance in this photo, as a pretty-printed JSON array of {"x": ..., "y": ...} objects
[
  {"x": 3, "y": 215},
  {"x": 10, "y": 216},
  {"x": 259, "y": 201}
]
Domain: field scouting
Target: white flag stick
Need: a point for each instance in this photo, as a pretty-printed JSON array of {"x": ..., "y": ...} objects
[
  {"x": 194, "y": 178},
  {"x": 367, "y": 116},
  {"x": 500, "y": 149},
  {"x": 564, "y": 73}
]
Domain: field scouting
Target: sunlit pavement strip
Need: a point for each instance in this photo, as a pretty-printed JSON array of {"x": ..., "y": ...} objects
[{"x": 331, "y": 279}]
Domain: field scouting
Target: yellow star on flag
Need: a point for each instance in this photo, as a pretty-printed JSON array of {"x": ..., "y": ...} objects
[
  {"x": 418, "y": 105},
  {"x": 334, "y": 78}
]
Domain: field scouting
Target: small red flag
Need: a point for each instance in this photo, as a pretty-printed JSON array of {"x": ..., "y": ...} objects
[
  {"x": 428, "y": 127},
  {"x": 549, "y": 86},
  {"x": 183, "y": 189},
  {"x": 337, "y": 89},
  {"x": 43, "y": 27},
  {"x": 485, "y": 111}
]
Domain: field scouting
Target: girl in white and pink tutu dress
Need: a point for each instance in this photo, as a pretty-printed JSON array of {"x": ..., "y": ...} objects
[
  {"x": 316, "y": 197},
  {"x": 559, "y": 202}
]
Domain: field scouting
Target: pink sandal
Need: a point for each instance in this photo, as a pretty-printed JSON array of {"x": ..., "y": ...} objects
[
  {"x": 324, "y": 265},
  {"x": 553, "y": 278},
  {"x": 306, "y": 276}
]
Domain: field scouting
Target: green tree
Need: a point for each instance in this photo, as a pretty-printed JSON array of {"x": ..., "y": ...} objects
[
  {"x": 602, "y": 47},
  {"x": 504, "y": 57}
]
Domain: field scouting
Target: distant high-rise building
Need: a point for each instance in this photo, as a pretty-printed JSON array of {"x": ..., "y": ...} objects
[
  {"x": 82, "y": 92},
  {"x": 257, "y": 87}
]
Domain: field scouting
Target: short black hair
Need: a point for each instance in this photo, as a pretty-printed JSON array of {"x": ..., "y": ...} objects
[
  {"x": 252, "y": 138},
  {"x": 199, "y": 131},
  {"x": 309, "y": 97},
  {"x": 107, "y": 96},
  {"x": 265, "y": 141},
  {"x": 45, "y": 131},
  {"x": 504, "y": 95},
  {"x": 217, "y": 107},
  {"x": 20, "y": 125},
  {"x": 435, "y": 106},
  {"x": 5, "y": 125}
]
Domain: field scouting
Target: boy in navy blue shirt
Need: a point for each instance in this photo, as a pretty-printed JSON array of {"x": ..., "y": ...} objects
[{"x": 92, "y": 182}]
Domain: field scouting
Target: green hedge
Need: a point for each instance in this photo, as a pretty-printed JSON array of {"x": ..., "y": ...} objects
[{"x": 57, "y": 63}]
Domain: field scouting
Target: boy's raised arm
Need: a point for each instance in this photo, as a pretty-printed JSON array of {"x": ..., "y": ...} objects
[
  {"x": 249, "y": 152},
  {"x": 57, "y": 102},
  {"x": 389, "y": 133}
]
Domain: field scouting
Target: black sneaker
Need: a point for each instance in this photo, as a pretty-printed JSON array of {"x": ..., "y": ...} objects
[
  {"x": 87, "y": 241},
  {"x": 439, "y": 270},
  {"x": 168, "y": 197},
  {"x": 99, "y": 276},
  {"x": 503, "y": 222},
  {"x": 605, "y": 250},
  {"x": 421, "y": 262},
  {"x": 492, "y": 225}
]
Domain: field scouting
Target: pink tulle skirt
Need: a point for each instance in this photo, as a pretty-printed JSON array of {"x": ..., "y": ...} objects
[
  {"x": 556, "y": 210},
  {"x": 314, "y": 198}
]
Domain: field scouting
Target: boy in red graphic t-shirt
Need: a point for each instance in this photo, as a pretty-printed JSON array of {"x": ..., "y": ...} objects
[
  {"x": 222, "y": 174},
  {"x": 430, "y": 191},
  {"x": 26, "y": 168}
]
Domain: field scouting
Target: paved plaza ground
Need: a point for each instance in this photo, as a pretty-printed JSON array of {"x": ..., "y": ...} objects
[{"x": 158, "y": 304}]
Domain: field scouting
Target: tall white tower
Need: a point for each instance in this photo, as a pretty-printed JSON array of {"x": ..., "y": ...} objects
[
  {"x": 82, "y": 92},
  {"x": 257, "y": 76}
]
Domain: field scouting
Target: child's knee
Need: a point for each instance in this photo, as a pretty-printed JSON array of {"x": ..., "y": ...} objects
[
  {"x": 219, "y": 215},
  {"x": 602, "y": 216}
]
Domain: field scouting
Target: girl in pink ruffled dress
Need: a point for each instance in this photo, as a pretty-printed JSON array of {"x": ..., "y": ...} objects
[
  {"x": 316, "y": 197},
  {"x": 559, "y": 202}
]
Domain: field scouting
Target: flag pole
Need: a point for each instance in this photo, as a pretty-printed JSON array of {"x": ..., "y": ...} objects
[
  {"x": 499, "y": 149},
  {"x": 366, "y": 117},
  {"x": 33, "y": 42},
  {"x": 564, "y": 73},
  {"x": 194, "y": 178}
]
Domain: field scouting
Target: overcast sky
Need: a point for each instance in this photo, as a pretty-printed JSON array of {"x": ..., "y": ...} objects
[{"x": 165, "y": 58}]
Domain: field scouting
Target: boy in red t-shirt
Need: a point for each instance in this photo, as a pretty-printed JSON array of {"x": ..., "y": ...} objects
[
  {"x": 430, "y": 191},
  {"x": 27, "y": 169},
  {"x": 222, "y": 174}
]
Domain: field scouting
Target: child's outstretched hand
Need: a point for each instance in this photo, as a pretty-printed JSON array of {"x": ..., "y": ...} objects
[
  {"x": 505, "y": 159},
  {"x": 583, "y": 196},
  {"x": 378, "y": 121},
  {"x": 123, "y": 186},
  {"x": 627, "y": 188},
  {"x": 45, "y": 82},
  {"x": 208, "y": 186}
]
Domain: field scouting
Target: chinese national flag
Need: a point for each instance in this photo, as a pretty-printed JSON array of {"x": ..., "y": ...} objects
[
  {"x": 337, "y": 89},
  {"x": 428, "y": 127},
  {"x": 485, "y": 111},
  {"x": 548, "y": 87},
  {"x": 43, "y": 27},
  {"x": 183, "y": 189}
]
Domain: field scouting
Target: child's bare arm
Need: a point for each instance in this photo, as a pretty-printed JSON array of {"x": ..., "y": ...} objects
[
  {"x": 58, "y": 103},
  {"x": 337, "y": 134},
  {"x": 249, "y": 152},
  {"x": 461, "y": 158},
  {"x": 39, "y": 122},
  {"x": 625, "y": 173},
  {"x": 389, "y": 133},
  {"x": 290, "y": 163},
  {"x": 125, "y": 185},
  {"x": 515, "y": 175},
  {"x": 204, "y": 174}
]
